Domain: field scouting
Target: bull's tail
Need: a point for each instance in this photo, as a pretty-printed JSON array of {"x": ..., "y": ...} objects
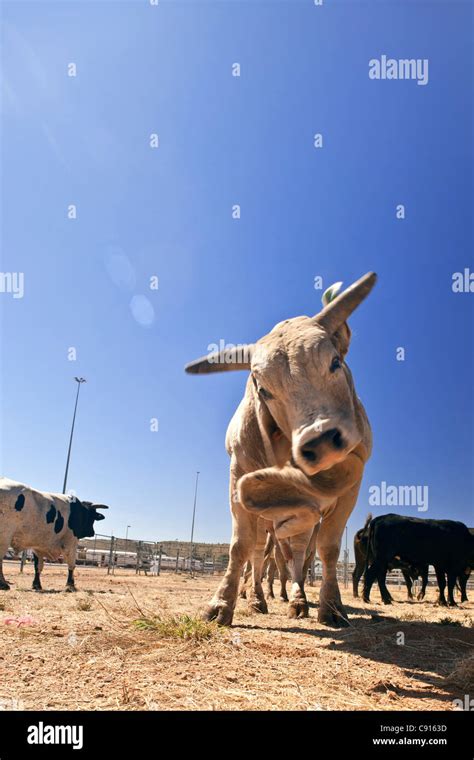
[
  {"x": 369, "y": 537},
  {"x": 368, "y": 520}
]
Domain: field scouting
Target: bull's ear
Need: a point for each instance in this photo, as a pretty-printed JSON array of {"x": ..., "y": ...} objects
[
  {"x": 339, "y": 309},
  {"x": 271, "y": 491},
  {"x": 237, "y": 357},
  {"x": 342, "y": 337},
  {"x": 98, "y": 516}
]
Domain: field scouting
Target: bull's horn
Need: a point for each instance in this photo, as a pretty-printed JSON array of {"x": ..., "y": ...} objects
[
  {"x": 237, "y": 357},
  {"x": 341, "y": 307},
  {"x": 99, "y": 506}
]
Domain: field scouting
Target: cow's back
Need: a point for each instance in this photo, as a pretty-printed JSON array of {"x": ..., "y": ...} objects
[
  {"x": 33, "y": 519},
  {"x": 416, "y": 541}
]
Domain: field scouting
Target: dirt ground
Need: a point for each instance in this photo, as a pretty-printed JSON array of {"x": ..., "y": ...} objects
[{"x": 82, "y": 651}]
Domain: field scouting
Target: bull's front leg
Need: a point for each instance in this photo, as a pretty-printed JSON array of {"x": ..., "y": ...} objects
[
  {"x": 4, "y": 586},
  {"x": 294, "y": 550},
  {"x": 245, "y": 580},
  {"x": 70, "y": 557},
  {"x": 331, "y": 610},
  {"x": 424, "y": 583},
  {"x": 244, "y": 536},
  {"x": 271, "y": 571},
  {"x": 4, "y": 544},
  {"x": 282, "y": 572},
  {"x": 39, "y": 564},
  {"x": 257, "y": 602}
]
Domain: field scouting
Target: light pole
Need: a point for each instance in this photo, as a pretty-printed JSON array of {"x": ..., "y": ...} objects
[
  {"x": 192, "y": 524},
  {"x": 346, "y": 563},
  {"x": 79, "y": 381},
  {"x": 126, "y": 532}
]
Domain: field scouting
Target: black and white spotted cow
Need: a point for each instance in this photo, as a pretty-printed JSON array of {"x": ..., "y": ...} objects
[{"x": 49, "y": 524}]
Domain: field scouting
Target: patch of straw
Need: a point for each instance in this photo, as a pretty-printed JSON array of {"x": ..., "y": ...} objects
[
  {"x": 463, "y": 675},
  {"x": 178, "y": 627}
]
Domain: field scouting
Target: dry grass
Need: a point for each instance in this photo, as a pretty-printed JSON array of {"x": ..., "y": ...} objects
[
  {"x": 128, "y": 642},
  {"x": 463, "y": 675},
  {"x": 178, "y": 627},
  {"x": 84, "y": 604}
]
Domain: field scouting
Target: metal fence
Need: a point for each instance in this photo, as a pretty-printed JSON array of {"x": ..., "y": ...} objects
[
  {"x": 146, "y": 557},
  {"x": 153, "y": 558}
]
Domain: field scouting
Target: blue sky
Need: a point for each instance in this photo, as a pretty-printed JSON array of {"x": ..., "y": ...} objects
[{"x": 166, "y": 212}]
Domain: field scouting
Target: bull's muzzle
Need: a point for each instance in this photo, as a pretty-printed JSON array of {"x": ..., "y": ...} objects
[{"x": 316, "y": 448}]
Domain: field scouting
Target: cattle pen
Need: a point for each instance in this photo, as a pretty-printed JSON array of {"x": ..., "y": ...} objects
[
  {"x": 127, "y": 641},
  {"x": 154, "y": 557}
]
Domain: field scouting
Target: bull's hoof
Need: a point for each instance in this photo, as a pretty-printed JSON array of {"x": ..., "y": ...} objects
[
  {"x": 420, "y": 596},
  {"x": 355, "y": 596},
  {"x": 70, "y": 587},
  {"x": 37, "y": 587},
  {"x": 453, "y": 604},
  {"x": 270, "y": 595},
  {"x": 283, "y": 597},
  {"x": 219, "y": 612},
  {"x": 442, "y": 602},
  {"x": 387, "y": 600},
  {"x": 366, "y": 599},
  {"x": 243, "y": 594},
  {"x": 298, "y": 608},
  {"x": 4, "y": 586},
  {"x": 258, "y": 605},
  {"x": 334, "y": 616}
]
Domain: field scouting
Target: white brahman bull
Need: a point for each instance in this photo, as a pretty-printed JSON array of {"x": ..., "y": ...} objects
[{"x": 298, "y": 444}]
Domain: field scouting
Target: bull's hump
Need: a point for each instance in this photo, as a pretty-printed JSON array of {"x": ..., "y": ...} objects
[
  {"x": 288, "y": 325},
  {"x": 7, "y": 483}
]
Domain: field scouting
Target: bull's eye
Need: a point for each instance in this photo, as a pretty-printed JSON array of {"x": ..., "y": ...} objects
[
  {"x": 335, "y": 364},
  {"x": 264, "y": 393}
]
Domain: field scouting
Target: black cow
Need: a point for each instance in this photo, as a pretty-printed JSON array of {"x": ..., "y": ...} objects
[
  {"x": 410, "y": 573},
  {"x": 464, "y": 577},
  {"x": 445, "y": 544}
]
